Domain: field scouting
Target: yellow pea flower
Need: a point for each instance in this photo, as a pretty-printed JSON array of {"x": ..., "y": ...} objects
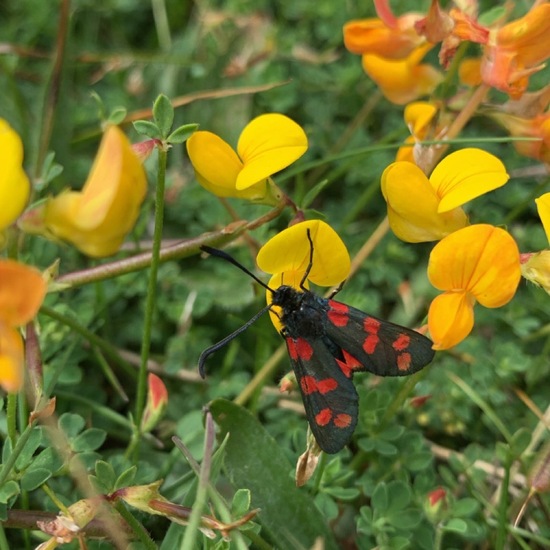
[
  {"x": 422, "y": 209},
  {"x": 535, "y": 266},
  {"x": 97, "y": 219},
  {"x": 267, "y": 144},
  {"x": 418, "y": 117},
  {"x": 22, "y": 290},
  {"x": 479, "y": 263},
  {"x": 287, "y": 254},
  {"x": 14, "y": 183}
]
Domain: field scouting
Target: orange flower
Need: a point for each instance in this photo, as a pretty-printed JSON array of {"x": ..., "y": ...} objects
[
  {"x": 479, "y": 263},
  {"x": 517, "y": 50},
  {"x": 536, "y": 127},
  {"x": 403, "y": 80},
  {"x": 22, "y": 290}
]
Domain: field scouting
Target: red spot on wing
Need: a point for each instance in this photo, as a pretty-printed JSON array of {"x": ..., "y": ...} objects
[
  {"x": 299, "y": 349},
  {"x": 342, "y": 420},
  {"x": 371, "y": 325},
  {"x": 402, "y": 342},
  {"x": 308, "y": 385},
  {"x": 349, "y": 364},
  {"x": 326, "y": 385},
  {"x": 338, "y": 314},
  {"x": 370, "y": 343},
  {"x": 323, "y": 417},
  {"x": 404, "y": 361}
]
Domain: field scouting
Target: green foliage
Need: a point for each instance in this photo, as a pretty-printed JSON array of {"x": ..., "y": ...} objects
[{"x": 477, "y": 434}]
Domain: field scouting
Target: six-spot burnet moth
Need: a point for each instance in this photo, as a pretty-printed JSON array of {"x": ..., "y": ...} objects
[{"x": 328, "y": 342}]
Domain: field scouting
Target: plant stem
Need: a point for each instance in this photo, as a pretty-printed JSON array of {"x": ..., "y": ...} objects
[
  {"x": 150, "y": 304},
  {"x": 11, "y": 414}
]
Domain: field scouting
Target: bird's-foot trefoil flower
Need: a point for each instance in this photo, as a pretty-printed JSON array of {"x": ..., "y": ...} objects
[
  {"x": 14, "y": 183},
  {"x": 479, "y": 263},
  {"x": 535, "y": 266},
  {"x": 97, "y": 219},
  {"x": 22, "y": 290},
  {"x": 267, "y": 144},
  {"x": 286, "y": 256},
  {"x": 427, "y": 209}
]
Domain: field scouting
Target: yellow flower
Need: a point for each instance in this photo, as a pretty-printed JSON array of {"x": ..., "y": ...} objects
[
  {"x": 418, "y": 117},
  {"x": 287, "y": 255},
  {"x": 422, "y": 209},
  {"x": 97, "y": 219},
  {"x": 267, "y": 144},
  {"x": 22, "y": 290},
  {"x": 479, "y": 263},
  {"x": 535, "y": 266},
  {"x": 403, "y": 80},
  {"x": 14, "y": 184}
]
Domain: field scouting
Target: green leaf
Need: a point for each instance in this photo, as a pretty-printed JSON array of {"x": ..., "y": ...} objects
[
  {"x": 126, "y": 478},
  {"x": 313, "y": 192},
  {"x": 399, "y": 495},
  {"x": 32, "y": 444},
  {"x": 106, "y": 473},
  {"x": 183, "y": 133},
  {"x": 32, "y": 479},
  {"x": 9, "y": 490},
  {"x": 117, "y": 115},
  {"x": 163, "y": 115},
  {"x": 416, "y": 462},
  {"x": 72, "y": 424},
  {"x": 456, "y": 525},
  {"x": 89, "y": 440},
  {"x": 6, "y": 450},
  {"x": 343, "y": 493},
  {"x": 380, "y": 498},
  {"x": 465, "y": 507},
  {"x": 47, "y": 459},
  {"x": 520, "y": 441},
  {"x": 147, "y": 128},
  {"x": 405, "y": 519},
  {"x": 254, "y": 460},
  {"x": 241, "y": 503}
]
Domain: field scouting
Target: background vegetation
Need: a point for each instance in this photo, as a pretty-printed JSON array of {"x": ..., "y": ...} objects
[{"x": 477, "y": 436}]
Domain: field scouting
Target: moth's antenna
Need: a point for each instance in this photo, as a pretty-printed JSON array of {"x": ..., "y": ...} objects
[
  {"x": 310, "y": 264},
  {"x": 231, "y": 260},
  {"x": 209, "y": 351}
]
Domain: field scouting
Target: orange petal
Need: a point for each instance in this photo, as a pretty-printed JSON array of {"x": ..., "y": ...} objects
[
  {"x": 543, "y": 207},
  {"x": 450, "y": 319},
  {"x": 22, "y": 290},
  {"x": 11, "y": 359}
]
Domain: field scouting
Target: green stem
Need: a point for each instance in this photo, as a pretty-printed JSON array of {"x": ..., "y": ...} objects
[
  {"x": 136, "y": 527},
  {"x": 11, "y": 414},
  {"x": 21, "y": 442},
  {"x": 502, "y": 527},
  {"x": 150, "y": 304},
  {"x": 192, "y": 528}
]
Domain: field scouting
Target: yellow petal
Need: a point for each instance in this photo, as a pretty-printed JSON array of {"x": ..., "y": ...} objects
[
  {"x": 268, "y": 144},
  {"x": 543, "y": 207},
  {"x": 417, "y": 116},
  {"x": 14, "y": 184},
  {"x": 413, "y": 205},
  {"x": 450, "y": 319},
  {"x": 480, "y": 259},
  {"x": 289, "y": 251},
  {"x": 11, "y": 359},
  {"x": 22, "y": 290},
  {"x": 97, "y": 219},
  {"x": 465, "y": 175},
  {"x": 216, "y": 164}
]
